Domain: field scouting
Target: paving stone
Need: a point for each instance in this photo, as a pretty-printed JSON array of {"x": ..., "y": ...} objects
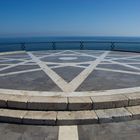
[
  {"x": 110, "y": 101},
  {"x": 134, "y": 98},
  {"x": 18, "y": 101},
  {"x": 79, "y": 103},
  {"x": 113, "y": 115},
  {"x": 76, "y": 117},
  {"x": 40, "y": 117},
  {"x": 13, "y": 116},
  {"x": 135, "y": 110},
  {"x": 48, "y": 103},
  {"x": 3, "y": 100}
]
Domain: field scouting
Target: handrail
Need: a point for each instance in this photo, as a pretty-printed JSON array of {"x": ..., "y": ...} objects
[
  {"x": 125, "y": 42},
  {"x": 80, "y": 42}
]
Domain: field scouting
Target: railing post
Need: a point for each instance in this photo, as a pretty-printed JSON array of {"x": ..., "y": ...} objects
[
  {"x": 54, "y": 45},
  {"x": 112, "y": 45},
  {"x": 23, "y": 46},
  {"x": 81, "y": 45}
]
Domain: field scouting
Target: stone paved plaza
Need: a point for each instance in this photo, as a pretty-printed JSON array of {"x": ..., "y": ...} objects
[
  {"x": 70, "y": 95},
  {"x": 70, "y": 73}
]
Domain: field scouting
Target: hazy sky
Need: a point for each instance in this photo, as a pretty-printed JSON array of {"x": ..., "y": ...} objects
[{"x": 69, "y": 17}]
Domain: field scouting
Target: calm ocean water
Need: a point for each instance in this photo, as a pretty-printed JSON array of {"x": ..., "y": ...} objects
[{"x": 59, "y": 46}]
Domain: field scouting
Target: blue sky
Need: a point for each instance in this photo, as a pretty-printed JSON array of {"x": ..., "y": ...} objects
[{"x": 69, "y": 17}]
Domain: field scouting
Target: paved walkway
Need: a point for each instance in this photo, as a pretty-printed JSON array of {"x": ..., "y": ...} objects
[
  {"x": 70, "y": 73},
  {"x": 112, "y": 131},
  {"x": 67, "y": 74}
]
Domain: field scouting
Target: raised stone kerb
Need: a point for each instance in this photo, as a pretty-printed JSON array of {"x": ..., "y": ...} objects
[
  {"x": 135, "y": 110},
  {"x": 76, "y": 117},
  {"x": 109, "y": 101},
  {"x": 40, "y": 117},
  {"x": 18, "y": 101},
  {"x": 134, "y": 98},
  {"x": 11, "y": 116},
  {"x": 113, "y": 115},
  {"x": 69, "y": 117},
  {"x": 3, "y": 100},
  {"x": 47, "y": 103},
  {"x": 79, "y": 103}
]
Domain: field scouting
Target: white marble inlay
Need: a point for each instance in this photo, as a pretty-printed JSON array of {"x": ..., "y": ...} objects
[{"x": 68, "y": 58}]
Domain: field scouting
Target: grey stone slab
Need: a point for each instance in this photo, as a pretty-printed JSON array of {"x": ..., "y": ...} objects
[
  {"x": 37, "y": 81},
  {"x": 11, "y": 62},
  {"x": 136, "y": 65},
  {"x": 107, "y": 80},
  {"x": 128, "y": 61},
  {"x": 76, "y": 117},
  {"x": 2, "y": 66},
  {"x": 12, "y": 116},
  {"x": 14, "y": 101},
  {"x": 134, "y": 98},
  {"x": 47, "y": 103},
  {"x": 116, "y": 67},
  {"x": 79, "y": 103},
  {"x": 3, "y": 100},
  {"x": 68, "y": 73},
  {"x": 129, "y": 130},
  {"x": 20, "y": 68},
  {"x": 18, "y": 101},
  {"x": 135, "y": 110},
  {"x": 109, "y": 101},
  {"x": 34, "y": 132},
  {"x": 6, "y": 135},
  {"x": 113, "y": 115},
  {"x": 28, "y": 132},
  {"x": 40, "y": 117}
]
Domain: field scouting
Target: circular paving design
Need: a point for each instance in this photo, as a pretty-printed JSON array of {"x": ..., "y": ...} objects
[{"x": 69, "y": 73}]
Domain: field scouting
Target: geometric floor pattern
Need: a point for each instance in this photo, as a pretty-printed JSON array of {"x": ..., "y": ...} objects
[{"x": 70, "y": 71}]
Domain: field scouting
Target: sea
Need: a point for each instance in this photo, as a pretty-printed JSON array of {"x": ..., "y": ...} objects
[{"x": 41, "y": 43}]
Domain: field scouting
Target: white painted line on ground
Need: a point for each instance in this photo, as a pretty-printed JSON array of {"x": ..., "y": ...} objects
[
  {"x": 114, "y": 62},
  {"x": 27, "y": 64},
  {"x": 71, "y": 94},
  {"x": 20, "y": 72},
  {"x": 6, "y": 64},
  {"x": 125, "y": 57},
  {"x": 53, "y": 75},
  {"x": 103, "y": 92},
  {"x": 68, "y": 133},
  {"x": 78, "y": 80},
  {"x": 123, "y": 64},
  {"x": 17, "y": 64},
  {"x": 129, "y": 63},
  {"x": 85, "y": 54},
  {"x": 66, "y": 87},
  {"x": 52, "y": 54},
  {"x": 6, "y": 60},
  {"x": 14, "y": 52},
  {"x": 118, "y": 71},
  {"x": 13, "y": 59},
  {"x": 61, "y": 83}
]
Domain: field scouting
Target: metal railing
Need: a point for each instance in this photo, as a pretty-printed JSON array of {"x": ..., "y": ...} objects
[{"x": 82, "y": 45}]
